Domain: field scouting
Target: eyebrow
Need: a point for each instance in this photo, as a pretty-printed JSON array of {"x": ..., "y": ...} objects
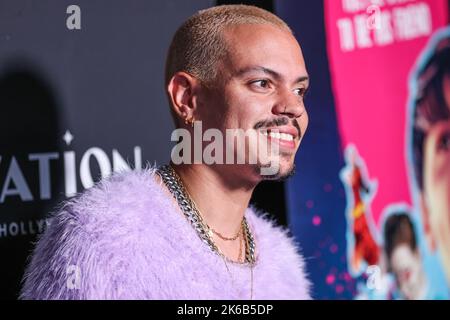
[{"x": 271, "y": 72}]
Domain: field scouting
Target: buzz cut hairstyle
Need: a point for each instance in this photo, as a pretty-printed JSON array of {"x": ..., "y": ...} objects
[{"x": 198, "y": 44}]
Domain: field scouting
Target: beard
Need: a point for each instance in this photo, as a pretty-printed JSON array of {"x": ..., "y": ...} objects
[
  {"x": 285, "y": 174},
  {"x": 279, "y": 176}
]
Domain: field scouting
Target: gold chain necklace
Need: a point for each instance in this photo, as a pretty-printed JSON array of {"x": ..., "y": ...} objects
[
  {"x": 206, "y": 225},
  {"x": 175, "y": 185},
  {"x": 226, "y": 238}
]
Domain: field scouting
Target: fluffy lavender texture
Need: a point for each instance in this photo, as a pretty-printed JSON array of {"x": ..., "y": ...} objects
[{"x": 126, "y": 238}]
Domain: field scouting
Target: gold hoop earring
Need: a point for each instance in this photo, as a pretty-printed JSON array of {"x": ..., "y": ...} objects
[{"x": 190, "y": 121}]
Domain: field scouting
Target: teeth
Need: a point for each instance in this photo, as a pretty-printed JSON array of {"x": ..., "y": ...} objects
[
  {"x": 275, "y": 135},
  {"x": 280, "y": 136},
  {"x": 287, "y": 136}
]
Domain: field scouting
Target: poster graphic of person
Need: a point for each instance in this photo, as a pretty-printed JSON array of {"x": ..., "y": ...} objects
[
  {"x": 390, "y": 267},
  {"x": 363, "y": 249},
  {"x": 404, "y": 259},
  {"x": 429, "y": 144}
]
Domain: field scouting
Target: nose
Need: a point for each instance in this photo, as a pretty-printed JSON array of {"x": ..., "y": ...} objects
[{"x": 289, "y": 104}]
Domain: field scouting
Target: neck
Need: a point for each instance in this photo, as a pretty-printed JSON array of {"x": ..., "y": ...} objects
[{"x": 221, "y": 198}]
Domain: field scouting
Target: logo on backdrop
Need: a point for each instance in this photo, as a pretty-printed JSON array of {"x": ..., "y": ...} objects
[{"x": 16, "y": 185}]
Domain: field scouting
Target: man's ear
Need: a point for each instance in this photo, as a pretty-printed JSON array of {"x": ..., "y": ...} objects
[
  {"x": 424, "y": 208},
  {"x": 182, "y": 91}
]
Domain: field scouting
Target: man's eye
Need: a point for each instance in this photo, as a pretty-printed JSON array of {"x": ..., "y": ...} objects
[
  {"x": 444, "y": 141},
  {"x": 261, "y": 83},
  {"x": 300, "y": 92}
]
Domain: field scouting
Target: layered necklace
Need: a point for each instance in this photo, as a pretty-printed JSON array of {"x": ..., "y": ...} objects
[{"x": 190, "y": 210}]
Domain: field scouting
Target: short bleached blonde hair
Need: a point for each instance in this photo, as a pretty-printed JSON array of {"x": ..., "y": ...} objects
[{"x": 198, "y": 43}]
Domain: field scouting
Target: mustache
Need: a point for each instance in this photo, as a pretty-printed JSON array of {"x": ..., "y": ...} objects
[{"x": 276, "y": 122}]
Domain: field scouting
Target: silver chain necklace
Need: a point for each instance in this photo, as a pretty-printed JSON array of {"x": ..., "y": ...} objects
[{"x": 175, "y": 185}]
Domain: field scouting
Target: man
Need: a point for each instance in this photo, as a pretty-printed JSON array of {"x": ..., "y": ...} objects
[
  {"x": 430, "y": 143},
  {"x": 184, "y": 231}
]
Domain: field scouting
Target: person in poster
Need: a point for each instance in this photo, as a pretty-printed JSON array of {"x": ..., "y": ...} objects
[
  {"x": 429, "y": 145},
  {"x": 404, "y": 259},
  {"x": 429, "y": 156},
  {"x": 365, "y": 249}
]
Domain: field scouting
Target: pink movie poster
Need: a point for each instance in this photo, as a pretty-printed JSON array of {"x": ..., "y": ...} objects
[{"x": 386, "y": 60}]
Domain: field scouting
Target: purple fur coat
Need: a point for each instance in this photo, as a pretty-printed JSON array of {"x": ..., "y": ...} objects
[{"x": 125, "y": 238}]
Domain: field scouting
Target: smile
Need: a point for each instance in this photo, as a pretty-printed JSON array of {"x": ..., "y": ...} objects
[
  {"x": 279, "y": 135},
  {"x": 285, "y": 136}
]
